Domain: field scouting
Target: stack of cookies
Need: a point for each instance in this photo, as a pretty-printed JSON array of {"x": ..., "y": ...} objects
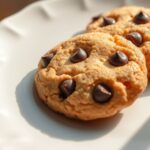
[{"x": 97, "y": 74}]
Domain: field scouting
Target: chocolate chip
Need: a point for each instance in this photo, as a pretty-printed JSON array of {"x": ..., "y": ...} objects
[
  {"x": 95, "y": 18},
  {"x": 46, "y": 59},
  {"x": 102, "y": 93},
  {"x": 67, "y": 87},
  {"x": 135, "y": 38},
  {"x": 118, "y": 59},
  {"x": 79, "y": 55},
  {"x": 108, "y": 21},
  {"x": 141, "y": 18}
]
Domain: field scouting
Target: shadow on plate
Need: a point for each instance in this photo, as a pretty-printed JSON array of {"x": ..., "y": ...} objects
[
  {"x": 147, "y": 91},
  {"x": 78, "y": 33},
  {"x": 55, "y": 125},
  {"x": 141, "y": 139}
]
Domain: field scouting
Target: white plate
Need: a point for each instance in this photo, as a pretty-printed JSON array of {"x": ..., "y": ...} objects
[{"x": 24, "y": 123}]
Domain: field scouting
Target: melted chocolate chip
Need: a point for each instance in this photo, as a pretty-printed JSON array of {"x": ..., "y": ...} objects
[
  {"x": 46, "y": 59},
  {"x": 108, "y": 21},
  {"x": 141, "y": 18},
  {"x": 135, "y": 38},
  {"x": 67, "y": 87},
  {"x": 118, "y": 59},
  {"x": 79, "y": 55},
  {"x": 102, "y": 93}
]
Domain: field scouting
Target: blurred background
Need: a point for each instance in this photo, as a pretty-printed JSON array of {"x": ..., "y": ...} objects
[{"x": 8, "y": 7}]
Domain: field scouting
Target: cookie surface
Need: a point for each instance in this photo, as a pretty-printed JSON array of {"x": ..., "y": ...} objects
[
  {"x": 123, "y": 21},
  {"x": 91, "y": 76}
]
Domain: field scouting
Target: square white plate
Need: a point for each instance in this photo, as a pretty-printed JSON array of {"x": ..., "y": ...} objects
[{"x": 25, "y": 124}]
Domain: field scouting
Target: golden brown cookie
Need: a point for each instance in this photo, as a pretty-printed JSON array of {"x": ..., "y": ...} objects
[
  {"x": 124, "y": 21},
  {"x": 91, "y": 76}
]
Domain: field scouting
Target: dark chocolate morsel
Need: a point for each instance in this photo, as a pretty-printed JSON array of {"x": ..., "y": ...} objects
[
  {"x": 95, "y": 18},
  {"x": 135, "y": 38},
  {"x": 141, "y": 18},
  {"x": 79, "y": 55},
  {"x": 67, "y": 87},
  {"x": 102, "y": 93},
  {"x": 46, "y": 59},
  {"x": 108, "y": 21},
  {"x": 118, "y": 59}
]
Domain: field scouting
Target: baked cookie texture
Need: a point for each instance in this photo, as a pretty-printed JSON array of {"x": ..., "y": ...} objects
[
  {"x": 91, "y": 76},
  {"x": 123, "y": 21}
]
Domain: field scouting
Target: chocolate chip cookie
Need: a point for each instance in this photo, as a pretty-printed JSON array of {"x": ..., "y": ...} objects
[
  {"x": 131, "y": 22},
  {"x": 91, "y": 76}
]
